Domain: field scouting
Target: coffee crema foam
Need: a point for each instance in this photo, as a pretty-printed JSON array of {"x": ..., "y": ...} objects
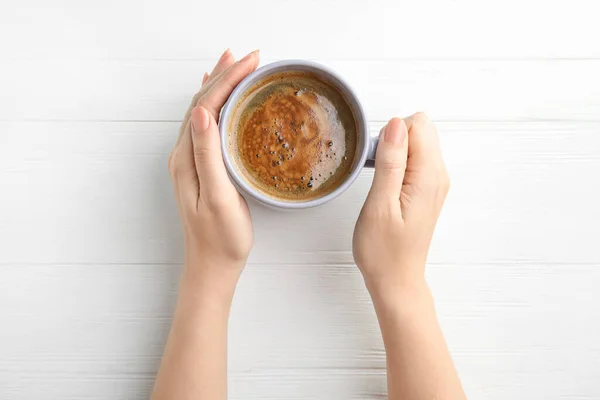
[{"x": 294, "y": 136}]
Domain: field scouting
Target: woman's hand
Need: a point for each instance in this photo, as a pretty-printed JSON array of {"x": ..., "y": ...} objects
[
  {"x": 215, "y": 217},
  {"x": 391, "y": 241},
  {"x": 218, "y": 238},
  {"x": 395, "y": 226}
]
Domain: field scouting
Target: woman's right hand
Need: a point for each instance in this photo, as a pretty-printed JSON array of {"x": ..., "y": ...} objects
[{"x": 394, "y": 229}]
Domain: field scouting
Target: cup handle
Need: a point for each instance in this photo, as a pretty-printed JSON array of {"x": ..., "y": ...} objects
[{"x": 373, "y": 143}]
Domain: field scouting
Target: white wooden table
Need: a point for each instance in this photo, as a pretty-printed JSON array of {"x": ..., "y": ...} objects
[{"x": 91, "y": 96}]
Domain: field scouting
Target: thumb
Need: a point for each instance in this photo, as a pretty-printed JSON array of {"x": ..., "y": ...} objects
[
  {"x": 212, "y": 175},
  {"x": 390, "y": 161}
]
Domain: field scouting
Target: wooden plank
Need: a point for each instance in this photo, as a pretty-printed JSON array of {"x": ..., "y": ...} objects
[
  {"x": 93, "y": 90},
  {"x": 100, "y": 193},
  {"x": 352, "y": 30},
  {"x": 275, "y": 385},
  {"x": 514, "y": 329}
]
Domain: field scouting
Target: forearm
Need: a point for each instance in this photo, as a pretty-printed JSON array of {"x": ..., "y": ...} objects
[
  {"x": 418, "y": 362},
  {"x": 194, "y": 364}
]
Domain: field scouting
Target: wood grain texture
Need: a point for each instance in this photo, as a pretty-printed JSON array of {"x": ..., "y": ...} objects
[
  {"x": 298, "y": 331},
  {"x": 185, "y": 29},
  {"x": 91, "y": 95},
  {"x": 521, "y": 191},
  {"x": 455, "y": 90}
]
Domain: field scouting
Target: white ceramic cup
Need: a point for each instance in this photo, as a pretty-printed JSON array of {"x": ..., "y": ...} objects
[{"x": 365, "y": 149}]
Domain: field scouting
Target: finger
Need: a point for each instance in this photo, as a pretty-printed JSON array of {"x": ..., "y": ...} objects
[
  {"x": 224, "y": 62},
  {"x": 216, "y": 91},
  {"x": 424, "y": 146},
  {"x": 390, "y": 161},
  {"x": 184, "y": 168},
  {"x": 223, "y": 69},
  {"x": 217, "y": 72},
  {"x": 425, "y": 167},
  {"x": 221, "y": 87},
  {"x": 208, "y": 158}
]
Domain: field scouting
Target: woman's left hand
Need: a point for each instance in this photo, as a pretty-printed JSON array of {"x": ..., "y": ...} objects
[{"x": 215, "y": 217}]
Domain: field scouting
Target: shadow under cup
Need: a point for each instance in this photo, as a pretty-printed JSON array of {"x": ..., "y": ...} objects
[{"x": 235, "y": 107}]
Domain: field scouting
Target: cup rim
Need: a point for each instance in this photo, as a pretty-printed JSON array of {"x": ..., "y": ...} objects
[{"x": 226, "y": 113}]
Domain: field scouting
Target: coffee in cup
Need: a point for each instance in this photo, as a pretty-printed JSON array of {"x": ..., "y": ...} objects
[{"x": 293, "y": 136}]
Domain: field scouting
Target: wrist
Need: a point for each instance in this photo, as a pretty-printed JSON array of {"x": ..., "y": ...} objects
[
  {"x": 209, "y": 279},
  {"x": 406, "y": 308},
  {"x": 404, "y": 296}
]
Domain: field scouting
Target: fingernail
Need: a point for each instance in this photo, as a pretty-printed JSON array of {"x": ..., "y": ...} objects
[
  {"x": 255, "y": 52},
  {"x": 395, "y": 134},
  {"x": 224, "y": 55},
  {"x": 203, "y": 120}
]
